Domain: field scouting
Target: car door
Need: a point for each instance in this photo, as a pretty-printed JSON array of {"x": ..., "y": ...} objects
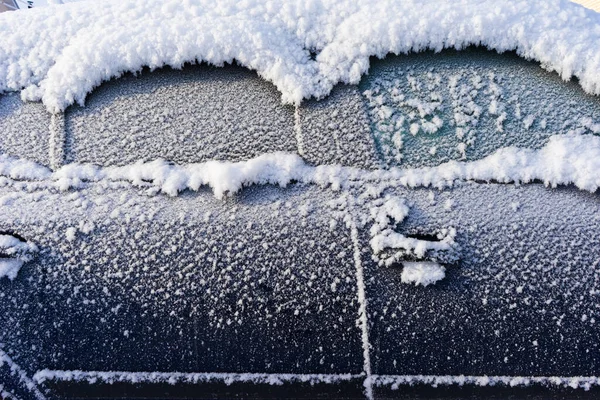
[
  {"x": 518, "y": 303},
  {"x": 181, "y": 294}
]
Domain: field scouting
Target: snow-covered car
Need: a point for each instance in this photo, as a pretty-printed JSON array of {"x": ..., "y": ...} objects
[{"x": 235, "y": 208}]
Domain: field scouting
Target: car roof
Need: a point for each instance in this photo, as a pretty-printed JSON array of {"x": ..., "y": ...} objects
[{"x": 304, "y": 51}]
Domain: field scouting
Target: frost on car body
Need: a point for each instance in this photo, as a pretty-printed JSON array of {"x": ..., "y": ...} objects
[
  {"x": 182, "y": 266},
  {"x": 433, "y": 224}
]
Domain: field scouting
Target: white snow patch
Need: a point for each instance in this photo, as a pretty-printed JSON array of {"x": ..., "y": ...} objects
[
  {"x": 387, "y": 212},
  {"x": 422, "y": 273},
  {"x": 10, "y": 268},
  {"x": 70, "y": 233},
  {"x": 59, "y": 54}
]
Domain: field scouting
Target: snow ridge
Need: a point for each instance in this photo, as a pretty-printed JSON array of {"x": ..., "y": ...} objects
[
  {"x": 58, "y": 54},
  {"x": 575, "y": 382},
  {"x": 395, "y": 381},
  {"x": 363, "y": 319},
  {"x": 182, "y": 377},
  {"x": 565, "y": 160}
]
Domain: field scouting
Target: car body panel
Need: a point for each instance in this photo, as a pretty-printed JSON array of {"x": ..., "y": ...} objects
[
  {"x": 279, "y": 287},
  {"x": 521, "y": 300},
  {"x": 124, "y": 281}
]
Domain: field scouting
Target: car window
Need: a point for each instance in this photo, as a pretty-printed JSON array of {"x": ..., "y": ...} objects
[
  {"x": 191, "y": 115},
  {"x": 335, "y": 130},
  {"x": 429, "y": 108},
  {"x": 24, "y": 129}
]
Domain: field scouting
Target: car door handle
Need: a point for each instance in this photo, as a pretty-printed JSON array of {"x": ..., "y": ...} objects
[
  {"x": 392, "y": 247},
  {"x": 14, "y": 252}
]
